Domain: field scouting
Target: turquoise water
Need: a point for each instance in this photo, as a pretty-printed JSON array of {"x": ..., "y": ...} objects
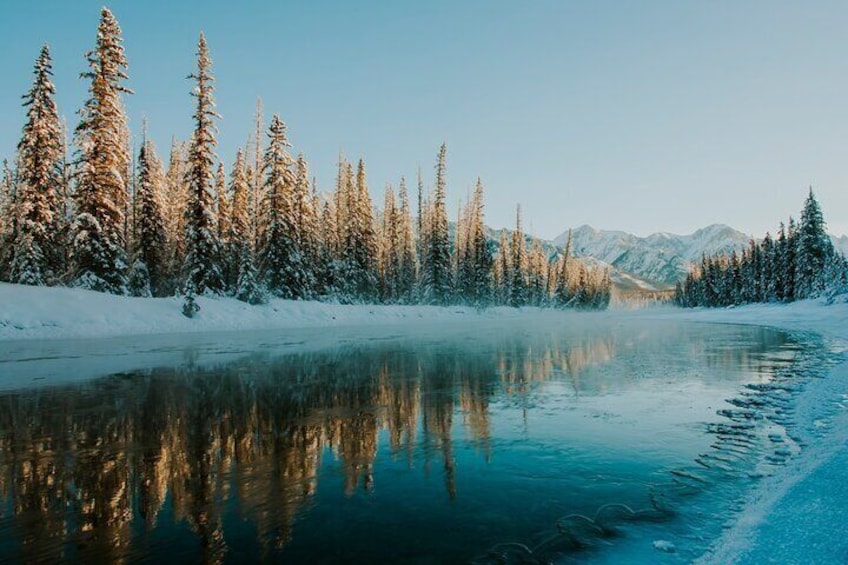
[{"x": 600, "y": 443}]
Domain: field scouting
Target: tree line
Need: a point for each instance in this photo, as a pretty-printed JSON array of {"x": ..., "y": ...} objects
[
  {"x": 801, "y": 262},
  {"x": 98, "y": 217}
]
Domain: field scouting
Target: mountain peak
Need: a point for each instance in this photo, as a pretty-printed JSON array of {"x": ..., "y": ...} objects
[{"x": 661, "y": 257}]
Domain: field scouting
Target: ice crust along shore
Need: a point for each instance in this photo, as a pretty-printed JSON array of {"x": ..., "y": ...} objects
[{"x": 797, "y": 515}]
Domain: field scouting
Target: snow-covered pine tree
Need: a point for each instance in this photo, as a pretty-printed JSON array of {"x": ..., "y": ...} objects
[
  {"x": 6, "y": 219},
  {"x": 836, "y": 274},
  {"x": 305, "y": 224},
  {"x": 734, "y": 290},
  {"x": 503, "y": 267},
  {"x": 537, "y": 267},
  {"x": 318, "y": 251},
  {"x": 407, "y": 258},
  {"x": 768, "y": 273},
  {"x": 240, "y": 258},
  {"x": 98, "y": 247},
  {"x": 814, "y": 249},
  {"x": 481, "y": 253},
  {"x": 223, "y": 204},
  {"x": 202, "y": 265},
  {"x": 138, "y": 281},
  {"x": 606, "y": 290},
  {"x": 339, "y": 202},
  {"x": 389, "y": 249},
  {"x": 791, "y": 292},
  {"x": 562, "y": 291},
  {"x": 224, "y": 214},
  {"x": 257, "y": 182},
  {"x": 66, "y": 207},
  {"x": 421, "y": 231},
  {"x": 358, "y": 275},
  {"x": 518, "y": 264},
  {"x": 460, "y": 238},
  {"x": 781, "y": 269},
  {"x": 281, "y": 267},
  {"x": 463, "y": 255},
  {"x": 150, "y": 249},
  {"x": 37, "y": 251},
  {"x": 329, "y": 248},
  {"x": 437, "y": 269},
  {"x": 176, "y": 198}
]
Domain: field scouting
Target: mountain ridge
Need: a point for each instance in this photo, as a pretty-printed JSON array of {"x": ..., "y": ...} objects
[{"x": 659, "y": 259}]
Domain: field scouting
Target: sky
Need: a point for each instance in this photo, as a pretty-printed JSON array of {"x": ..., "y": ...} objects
[{"x": 637, "y": 116}]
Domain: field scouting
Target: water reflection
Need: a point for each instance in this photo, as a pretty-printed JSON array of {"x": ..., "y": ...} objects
[{"x": 219, "y": 462}]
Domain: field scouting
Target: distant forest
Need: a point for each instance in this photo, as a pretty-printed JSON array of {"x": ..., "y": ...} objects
[
  {"x": 799, "y": 263},
  {"x": 92, "y": 213}
]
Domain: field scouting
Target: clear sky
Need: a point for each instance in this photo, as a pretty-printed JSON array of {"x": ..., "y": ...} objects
[{"x": 640, "y": 116}]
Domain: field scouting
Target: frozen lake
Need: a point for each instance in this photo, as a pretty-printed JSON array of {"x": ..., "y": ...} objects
[{"x": 602, "y": 441}]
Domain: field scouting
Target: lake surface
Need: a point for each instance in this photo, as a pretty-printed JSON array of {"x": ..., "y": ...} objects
[{"x": 597, "y": 441}]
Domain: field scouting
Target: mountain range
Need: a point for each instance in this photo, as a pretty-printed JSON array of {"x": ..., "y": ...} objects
[{"x": 657, "y": 261}]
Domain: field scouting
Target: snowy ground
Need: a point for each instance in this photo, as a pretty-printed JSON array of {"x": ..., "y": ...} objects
[
  {"x": 796, "y": 516},
  {"x": 800, "y": 514},
  {"x": 31, "y": 312}
]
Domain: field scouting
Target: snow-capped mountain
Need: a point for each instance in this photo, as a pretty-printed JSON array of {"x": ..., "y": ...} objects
[
  {"x": 840, "y": 243},
  {"x": 660, "y": 258}
]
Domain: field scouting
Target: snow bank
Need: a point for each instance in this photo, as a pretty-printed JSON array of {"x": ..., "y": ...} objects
[
  {"x": 28, "y": 312},
  {"x": 798, "y": 515}
]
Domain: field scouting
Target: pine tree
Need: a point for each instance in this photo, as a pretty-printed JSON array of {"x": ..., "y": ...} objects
[
  {"x": 138, "y": 281},
  {"x": 329, "y": 249},
  {"x": 389, "y": 249},
  {"x": 814, "y": 250},
  {"x": 280, "y": 265},
  {"x": 478, "y": 261},
  {"x": 768, "y": 274},
  {"x": 176, "y": 197},
  {"x": 421, "y": 232},
  {"x": 223, "y": 204},
  {"x": 537, "y": 266},
  {"x": 437, "y": 271},
  {"x": 223, "y": 213},
  {"x": 201, "y": 268},
  {"x": 791, "y": 261},
  {"x": 503, "y": 268},
  {"x": 256, "y": 198},
  {"x": 37, "y": 251},
  {"x": 151, "y": 231},
  {"x": 518, "y": 264},
  {"x": 7, "y": 214},
  {"x": 780, "y": 258},
  {"x": 98, "y": 246},
  {"x": 305, "y": 233},
  {"x": 241, "y": 261},
  {"x": 407, "y": 258},
  {"x": 358, "y": 275},
  {"x": 463, "y": 255},
  {"x": 562, "y": 290}
]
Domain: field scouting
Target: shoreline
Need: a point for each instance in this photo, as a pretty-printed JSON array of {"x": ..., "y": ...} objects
[{"x": 796, "y": 514}]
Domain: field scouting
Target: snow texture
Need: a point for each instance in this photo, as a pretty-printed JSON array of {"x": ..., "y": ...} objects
[
  {"x": 799, "y": 514},
  {"x": 57, "y": 312}
]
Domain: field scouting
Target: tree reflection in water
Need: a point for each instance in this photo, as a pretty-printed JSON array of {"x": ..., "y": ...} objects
[{"x": 92, "y": 471}]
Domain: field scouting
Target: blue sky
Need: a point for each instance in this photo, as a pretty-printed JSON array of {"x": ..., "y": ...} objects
[{"x": 640, "y": 116}]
